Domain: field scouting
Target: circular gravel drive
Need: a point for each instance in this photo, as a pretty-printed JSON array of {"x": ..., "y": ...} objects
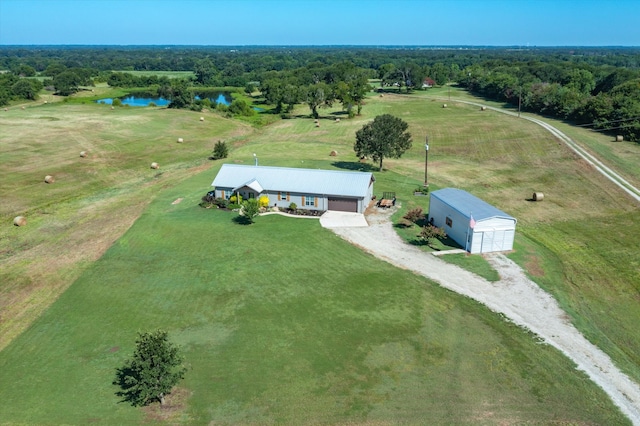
[{"x": 515, "y": 296}]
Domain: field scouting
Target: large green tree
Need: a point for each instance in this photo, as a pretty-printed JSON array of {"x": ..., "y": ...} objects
[
  {"x": 319, "y": 95},
  {"x": 155, "y": 368},
  {"x": 66, "y": 83},
  {"x": 385, "y": 137}
]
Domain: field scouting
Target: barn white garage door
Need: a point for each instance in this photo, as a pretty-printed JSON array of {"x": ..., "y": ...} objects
[
  {"x": 497, "y": 240},
  {"x": 343, "y": 204}
]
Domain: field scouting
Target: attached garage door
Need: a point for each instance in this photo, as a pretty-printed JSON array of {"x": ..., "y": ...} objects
[{"x": 343, "y": 204}]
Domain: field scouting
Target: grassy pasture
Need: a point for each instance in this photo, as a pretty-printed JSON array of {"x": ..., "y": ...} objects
[
  {"x": 572, "y": 244},
  {"x": 282, "y": 322},
  {"x": 93, "y": 200}
]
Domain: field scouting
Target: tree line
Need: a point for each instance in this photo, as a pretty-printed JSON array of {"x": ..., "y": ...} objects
[{"x": 595, "y": 87}]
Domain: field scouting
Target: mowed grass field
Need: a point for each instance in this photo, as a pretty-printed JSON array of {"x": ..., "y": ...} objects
[
  {"x": 93, "y": 199},
  {"x": 281, "y": 321}
]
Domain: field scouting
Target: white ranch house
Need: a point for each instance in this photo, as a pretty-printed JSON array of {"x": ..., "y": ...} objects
[
  {"x": 474, "y": 224},
  {"x": 311, "y": 189}
]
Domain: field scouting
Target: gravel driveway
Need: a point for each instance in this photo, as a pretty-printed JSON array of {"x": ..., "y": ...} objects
[{"x": 515, "y": 296}]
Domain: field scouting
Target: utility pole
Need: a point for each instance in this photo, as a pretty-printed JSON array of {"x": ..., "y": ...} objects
[
  {"x": 426, "y": 162},
  {"x": 519, "y": 100}
]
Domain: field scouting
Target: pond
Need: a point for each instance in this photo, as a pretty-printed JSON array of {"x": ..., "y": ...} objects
[
  {"x": 144, "y": 100},
  {"x": 136, "y": 101}
]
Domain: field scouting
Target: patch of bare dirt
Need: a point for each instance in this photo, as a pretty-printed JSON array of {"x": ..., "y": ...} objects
[
  {"x": 173, "y": 410},
  {"x": 533, "y": 266}
]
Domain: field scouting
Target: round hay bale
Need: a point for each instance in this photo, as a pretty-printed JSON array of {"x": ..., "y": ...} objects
[
  {"x": 45, "y": 102},
  {"x": 537, "y": 196},
  {"x": 6, "y": 109},
  {"x": 201, "y": 118},
  {"x": 381, "y": 95},
  {"x": 112, "y": 108},
  {"x": 483, "y": 108},
  {"x": 180, "y": 140},
  {"x": 317, "y": 124},
  {"x": 19, "y": 221},
  {"x": 49, "y": 179},
  {"x": 315, "y": 121},
  {"x": 444, "y": 105},
  {"x": 22, "y": 107},
  {"x": 337, "y": 120},
  {"x": 333, "y": 153},
  {"x": 83, "y": 154},
  {"x": 619, "y": 138},
  {"x": 155, "y": 166}
]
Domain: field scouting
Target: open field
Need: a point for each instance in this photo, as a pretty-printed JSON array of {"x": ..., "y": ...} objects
[
  {"x": 230, "y": 294},
  {"x": 93, "y": 199},
  {"x": 276, "y": 331}
]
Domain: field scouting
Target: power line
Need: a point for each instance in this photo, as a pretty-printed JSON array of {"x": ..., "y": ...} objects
[{"x": 607, "y": 122}]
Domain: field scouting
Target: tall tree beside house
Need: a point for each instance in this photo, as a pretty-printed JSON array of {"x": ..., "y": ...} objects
[
  {"x": 155, "y": 368},
  {"x": 385, "y": 137}
]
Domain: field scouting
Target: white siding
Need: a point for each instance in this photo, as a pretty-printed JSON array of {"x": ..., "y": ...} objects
[{"x": 494, "y": 233}]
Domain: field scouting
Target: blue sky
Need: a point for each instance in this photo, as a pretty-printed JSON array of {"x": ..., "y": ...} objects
[{"x": 322, "y": 22}]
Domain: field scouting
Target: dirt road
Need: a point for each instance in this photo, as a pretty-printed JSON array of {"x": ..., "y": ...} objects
[{"x": 515, "y": 296}]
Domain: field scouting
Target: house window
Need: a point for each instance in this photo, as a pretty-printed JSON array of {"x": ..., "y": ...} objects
[
  {"x": 449, "y": 222},
  {"x": 283, "y": 196},
  {"x": 309, "y": 200}
]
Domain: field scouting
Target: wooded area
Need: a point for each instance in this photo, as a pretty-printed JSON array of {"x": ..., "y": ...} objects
[{"x": 594, "y": 87}]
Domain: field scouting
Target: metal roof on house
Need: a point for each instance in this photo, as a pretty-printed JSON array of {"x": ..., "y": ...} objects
[
  {"x": 305, "y": 181},
  {"x": 468, "y": 204}
]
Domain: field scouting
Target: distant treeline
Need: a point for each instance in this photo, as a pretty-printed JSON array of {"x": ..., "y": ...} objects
[{"x": 595, "y": 87}]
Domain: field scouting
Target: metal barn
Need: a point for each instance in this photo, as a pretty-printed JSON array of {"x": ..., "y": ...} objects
[{"x": 471, "y": 222}]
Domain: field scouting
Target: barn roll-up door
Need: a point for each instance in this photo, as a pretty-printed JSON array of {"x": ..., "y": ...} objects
[{"x": 343, "y": 204}]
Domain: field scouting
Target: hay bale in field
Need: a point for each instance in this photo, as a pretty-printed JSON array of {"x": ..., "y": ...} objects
[
  {"x": 381, "y": 95},
  {"x": 112, "y": 108},
  {"x": 315, "y": 121},
  {"x": 201, "y": 118},
  {"x": 619, "y": 138},
  {"x": 483, "y": 108},
  {"x": 317, "y": 124},
  {"x": 537, "y": 196},
  {"x": 444, "y": 105},
  {"x": 334, "y": 153},
  {"x": 49, "y": 179},
  {"x": 337, "y": 120},
  {"x": 19, "y": 221},
  {"x": 180, "y": 140},
  {"x": 155, "y": 166},
  {"x": 83, "y": 154},
  {"x": 21, "y": 107},
  {"x": 45, "y": 102}
]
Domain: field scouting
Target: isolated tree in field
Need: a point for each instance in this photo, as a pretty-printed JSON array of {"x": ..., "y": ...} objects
[
  {"x": 220, "y": 150},
  {"x": 385, "y": 137},
  {"x": 154, "y": 369}
]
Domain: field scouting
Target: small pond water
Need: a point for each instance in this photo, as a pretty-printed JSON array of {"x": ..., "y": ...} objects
[
  {"x": 144, "y": 100},
  {"x": 136, "y": 101}
]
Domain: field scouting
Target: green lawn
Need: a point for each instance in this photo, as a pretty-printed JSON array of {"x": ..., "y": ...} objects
[
  {"x": 270, "y": 333},
  {"x": 282, "y": 322}
]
